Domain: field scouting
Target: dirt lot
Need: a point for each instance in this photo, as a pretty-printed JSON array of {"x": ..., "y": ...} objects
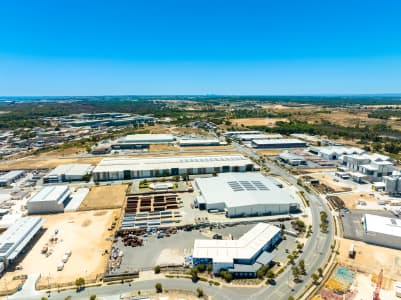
[
  {"x": 84, "y": 233},
  {"x": 371, "y": 259},
  {"x": 105, "y": 197},
  {"x": 328, "y": 181},
  {"x": 31, "y": 163},
  {"x": 63, "y": 152},
  {"x": 351, "y": 200},
  {"x": 257, "y": 121},
  {"x": 273, "y": 152},
  {"x": 162, "y": 147}
]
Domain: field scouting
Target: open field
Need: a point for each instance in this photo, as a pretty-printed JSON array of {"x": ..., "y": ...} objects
[
  {"x": 371, "y": 259},
  {"x": 257, "y": 121},
  {"x": 105, "y": 197},
  {"x": 272, "y": 152},
  {"x": 84, "y": 233},
  {"x": 63, "y": 152},
  {"x": 162, "y": 147},
  {"x": 211, "y": 148},
  {"x": 31, "y": 163}
]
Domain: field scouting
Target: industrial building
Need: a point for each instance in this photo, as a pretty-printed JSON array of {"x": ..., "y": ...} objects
[
  {"x": 14, "y": 240},
  {"x": 393, "y": 184},
  {"x": 142, "y": 141},
  {"x": 242, "y": 257},
  {"x": 278, "y": 143},
  {"x": 258, "y": 136},
  {"x": 50, "y": 199},
  {"x": 371, "y": 167},
  {"x": 10, "y": 177},
  {"x": 292, "y": 159},
  {"x": 68, "y": 172},
  {"x": 130, "y": 168},
  {"x": 232, "y": 133},
  {"x": 334, "y": 152},
  {"x": 198, "y": 142},
  {"x": 382, "y": 231},
  {"x": 109, "y": 119},
  {"x": 243, "y": 195}
]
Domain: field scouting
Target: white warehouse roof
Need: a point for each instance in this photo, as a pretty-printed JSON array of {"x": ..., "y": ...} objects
[
  {"x": 278, "y": 141},
  {"x": 51, "y": 193},
  {"x": 243, "y": 189},
  {"x": 11, "y": 175},
  {"x": 141, "y": 138},
  {"x": 160, "y": 163},
  {"x": 18, "y": 235},
  {"x": 70, "y": 170},
  {"x": 383, "y": 225},
  {"x": 244, "y": 248}
]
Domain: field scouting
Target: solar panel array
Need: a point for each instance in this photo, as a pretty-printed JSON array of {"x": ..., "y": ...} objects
[{"x": 242, "y": 185}]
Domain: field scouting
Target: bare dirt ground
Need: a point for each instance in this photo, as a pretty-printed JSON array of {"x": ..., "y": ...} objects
[
  {"x": 351, "y": 200},
  {"x": 257, "y": 121},
  {"x": 105, "y": 197},
  {"x": 274, "y": 152},
  {"x": 371, "y": 259},
  {"x": 162, "y": 147},
  {"x": 63, "y": 152},
  {"x": 171, "y": 256},
  {"x": 328, "y": 181},
  {"x": 219, "y": 148},
  {"x": 84, "y": 233},
  {"x": 31, "y": 163}
]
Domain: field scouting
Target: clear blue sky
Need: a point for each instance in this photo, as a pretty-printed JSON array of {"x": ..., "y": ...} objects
[{"x": 85, "y": 47}]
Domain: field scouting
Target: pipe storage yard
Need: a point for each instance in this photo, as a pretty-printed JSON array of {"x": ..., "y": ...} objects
[
  {"x": 129, "y": 168},
  {"x": 237, "y": 256},
  {"x": 16, "y": 237},
  {"x": 50, "y": 199},
  {"x": 244, "y": 194}
]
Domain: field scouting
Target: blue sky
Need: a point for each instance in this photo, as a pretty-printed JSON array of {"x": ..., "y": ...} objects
[{"x": 70, "y": 47}]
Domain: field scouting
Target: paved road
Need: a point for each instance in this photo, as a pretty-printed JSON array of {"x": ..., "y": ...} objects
[{"x": 316, "y": 252}]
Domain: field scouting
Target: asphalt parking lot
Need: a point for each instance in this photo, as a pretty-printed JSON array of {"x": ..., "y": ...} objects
[
  {"x": 173, "y": 249},
  {"x": 352, "y": 222}
]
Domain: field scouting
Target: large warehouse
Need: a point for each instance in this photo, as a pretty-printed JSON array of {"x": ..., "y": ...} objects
[
  {"x": 382, "y": 231},
  {"x": 140, "y": 141},
  {"x": 242, "y": 257},
  {"x": 244, "y": 194},
  {"x": 68, "y": 172},
  {"x": 129, "y": 168},
  {"x": 16, "y": 238},
  {"x": 50, "y": 199},
  {"x": 278, "y": 143},
  {"x": 10, "y": 177}
]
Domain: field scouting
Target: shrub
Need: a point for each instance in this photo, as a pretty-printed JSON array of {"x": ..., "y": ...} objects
[{"x": 159, "y": 287}]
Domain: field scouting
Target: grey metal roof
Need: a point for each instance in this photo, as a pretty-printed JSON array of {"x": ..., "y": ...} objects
[
  {"x": 11, "y": 175},
  {"x": 51, "y": 193},
  {"x": 18, "y": 235},
  {"x": 243, "y": 189},
  {"x": 238, "y": 268}
]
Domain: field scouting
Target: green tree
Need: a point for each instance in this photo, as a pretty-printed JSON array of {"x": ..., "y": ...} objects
[
  {"x": 209, "y": 267},
  {"x": 302, "y": 266},
  {"x": 159, "y": 287},
  {"x": 296, "y": 273},
  {"x": 315, "y": 277},
  {"x": 199, "y": 292},
  {"x": 291, "y": 298},
  {"x": 194, "y": 274},
  {"x": 320, "y": 271},
  {"x": 80, "y": 282},
  {"x": 156, "y": 269},
  {"x": 201, "y": 267}
]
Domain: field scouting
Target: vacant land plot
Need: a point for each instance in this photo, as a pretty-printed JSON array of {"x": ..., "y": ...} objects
[
  {"x": 257, "y": 121},
  {"x": 371, "y": 259},
  {"x": 273, "y": 152},
  {"x": 352, "y": 200},
  {"x": 85, "y": 234},
  {"x": 162, "y": 147},
  {"x": 31, "y": 163},
  {"x": 63, "y": 152},
  {"x": 105, "y": 197},
  {"x": 328, "y": 180}
]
